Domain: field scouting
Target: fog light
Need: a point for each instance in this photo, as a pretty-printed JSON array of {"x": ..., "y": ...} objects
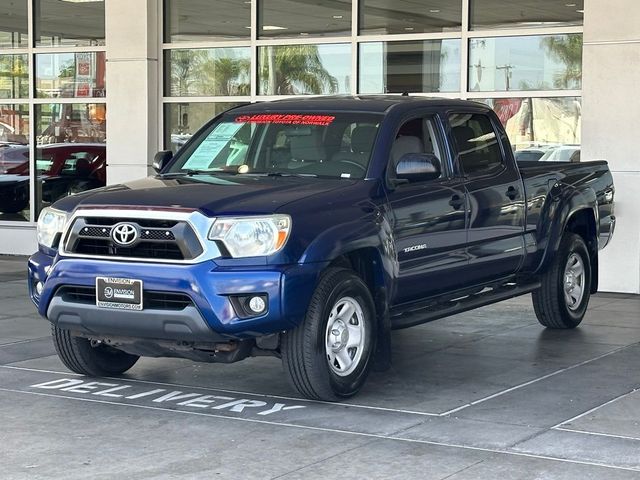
[
  {"x": 257, "y": 304},
  {"x": 39, "y": 288}
]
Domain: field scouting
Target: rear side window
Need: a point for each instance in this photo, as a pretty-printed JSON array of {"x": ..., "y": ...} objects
[{"x": 476, "y": 142}]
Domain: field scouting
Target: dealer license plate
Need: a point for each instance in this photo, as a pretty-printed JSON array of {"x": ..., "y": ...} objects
[{"x": 119, "y": 293}]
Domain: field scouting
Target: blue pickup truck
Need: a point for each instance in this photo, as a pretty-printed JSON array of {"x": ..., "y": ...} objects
[{"x": 308, "y": 229}]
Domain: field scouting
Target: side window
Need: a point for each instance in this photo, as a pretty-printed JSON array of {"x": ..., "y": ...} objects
[
  {"x": 417, "y": 135},
  {"x": 476, "y": 142}
]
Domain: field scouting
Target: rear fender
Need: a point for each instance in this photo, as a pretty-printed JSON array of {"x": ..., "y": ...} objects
[{"x": 563, "y": 203}]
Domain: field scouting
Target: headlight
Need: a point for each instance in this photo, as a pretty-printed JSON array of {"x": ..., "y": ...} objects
[
  {"x": 252, "y": 236},
  {"x": 50, "y": 223}
]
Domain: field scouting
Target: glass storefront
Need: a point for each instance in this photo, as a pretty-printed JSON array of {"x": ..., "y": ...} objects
[
  {"x": 13, "y": 24},
  {"x": 521, "y": 57},
  {"x": 68, "y": 75},
  {"x": 304, "y": 69},
  {"x": 207, "y": 72},
  {"x": 538, "y": 62},
  {"x": 50, "y": 148},
  {"x": 14, "y": 76},
  {"x": 197, "y": 21},
  {"x": 379, "y": 17},
  {"x": 68, "y": 23},
  {"x": 495, "y": 14},
  {"x": 423, "y": 66},
  {"x": 540, "y": 125},
  {"x": 293, "y": 18},
  {"x": 182, "y": 120},
  {"x": 14, "y": 163}
]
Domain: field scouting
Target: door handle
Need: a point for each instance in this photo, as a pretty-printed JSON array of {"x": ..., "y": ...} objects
[
  {"x": 456, "y": 202},
  {"x": 512, "y": 192}
]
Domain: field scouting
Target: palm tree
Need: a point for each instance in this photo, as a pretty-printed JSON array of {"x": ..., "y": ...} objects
[
  {"x": 184, "y": 67},
  {"x": 567, "y": 49},
  {"x": 14, "y": 67},
  {"x": 224, "y": 76},
  {"x": 294, "y": 69}
]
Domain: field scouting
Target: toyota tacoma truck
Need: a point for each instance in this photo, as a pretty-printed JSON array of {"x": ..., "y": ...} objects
[{"x": 308, "y": 229}]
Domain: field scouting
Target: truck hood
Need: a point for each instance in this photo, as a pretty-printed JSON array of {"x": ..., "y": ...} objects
[{"x": 212, "y": 195}]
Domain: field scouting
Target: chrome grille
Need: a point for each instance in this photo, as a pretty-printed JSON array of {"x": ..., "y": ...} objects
[{"x": 156, "y": 240}]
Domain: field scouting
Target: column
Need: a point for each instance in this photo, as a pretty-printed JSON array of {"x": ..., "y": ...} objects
[
  {"x": 611, "y": 127},
  {"x": 133, "y": 49}
]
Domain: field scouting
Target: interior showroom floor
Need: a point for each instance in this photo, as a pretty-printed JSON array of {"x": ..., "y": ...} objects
[{"x": 486, "y": 394}]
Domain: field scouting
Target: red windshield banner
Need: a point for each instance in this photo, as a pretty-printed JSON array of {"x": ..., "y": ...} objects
[{"x": 287, "y": 119}]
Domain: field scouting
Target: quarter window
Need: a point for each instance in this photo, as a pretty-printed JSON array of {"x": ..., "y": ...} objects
[{"x": 476, "y": 143}]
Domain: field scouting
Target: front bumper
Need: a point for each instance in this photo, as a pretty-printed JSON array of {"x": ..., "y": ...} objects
[{"x": 210, "y": 318}]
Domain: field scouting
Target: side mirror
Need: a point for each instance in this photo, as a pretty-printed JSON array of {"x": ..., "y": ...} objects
[
  {"x": 418, "y": 167},
  {"x": 161, "y": 159}
]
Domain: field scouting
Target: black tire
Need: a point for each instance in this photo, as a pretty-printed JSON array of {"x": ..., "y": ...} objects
[
  {"x": 304, "y": 349},
  {"x": 549, "y": 303},
  {"x": 80, "y": 356}
]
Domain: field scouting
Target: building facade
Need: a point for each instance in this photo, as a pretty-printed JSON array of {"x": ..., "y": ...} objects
[{"x": 91, "y": 89}]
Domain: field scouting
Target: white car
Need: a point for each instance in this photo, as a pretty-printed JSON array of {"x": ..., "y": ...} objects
[{"x": 566, "y": 153}]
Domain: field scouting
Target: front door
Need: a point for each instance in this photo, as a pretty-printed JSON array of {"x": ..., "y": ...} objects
[{"x": 430, "y": 220}]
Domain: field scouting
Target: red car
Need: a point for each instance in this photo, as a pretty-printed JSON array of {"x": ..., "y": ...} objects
[{"x": 62, "y": 169}]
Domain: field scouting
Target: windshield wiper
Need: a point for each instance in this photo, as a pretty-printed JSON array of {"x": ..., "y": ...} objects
[
  {"x": 287, "y": 174},
  {"x": 192, "y": 171}
]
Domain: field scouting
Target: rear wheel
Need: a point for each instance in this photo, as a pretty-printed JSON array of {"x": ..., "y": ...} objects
[
  {"x": 328, "y": 356},
  {"x": 562, "y": 300},
  {"x": 81, "y": 355}
]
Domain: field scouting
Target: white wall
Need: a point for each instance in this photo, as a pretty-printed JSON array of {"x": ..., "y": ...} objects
[{"x": 610, "y": 123}]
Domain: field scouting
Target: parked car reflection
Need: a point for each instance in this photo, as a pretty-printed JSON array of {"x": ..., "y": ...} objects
[
  {"x": 565, "y": 153},
  {"x": 62, "y": 169}
]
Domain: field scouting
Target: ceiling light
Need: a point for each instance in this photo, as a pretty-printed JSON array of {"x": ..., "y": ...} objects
[
  {"x": 82, "y": 1},
  {"x": 434, "y": 10},
  {"x": 580, "y": 11},
  {"x": 569, "y": 4},
  {"x": 408, "y": 28},
  {"x": 337, "y": 17},
  {"x": 273, "y": 27}
]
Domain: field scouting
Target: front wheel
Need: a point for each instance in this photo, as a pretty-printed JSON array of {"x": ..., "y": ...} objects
[
  {"x": 81, "y": 355},
  {"x": 562, "y": 300},
  {"x": 328, "y": 356}
]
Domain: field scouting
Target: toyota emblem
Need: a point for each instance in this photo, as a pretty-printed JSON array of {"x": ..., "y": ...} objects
[{"x": 124, "y": 234}]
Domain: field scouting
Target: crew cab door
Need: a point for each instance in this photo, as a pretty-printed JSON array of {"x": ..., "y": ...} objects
[
  {"x": 430, "y": 216},
  {"x": 495, "y": 193}
]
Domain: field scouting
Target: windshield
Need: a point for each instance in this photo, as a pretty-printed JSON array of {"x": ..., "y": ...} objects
[{"x": 334, "y": 145}]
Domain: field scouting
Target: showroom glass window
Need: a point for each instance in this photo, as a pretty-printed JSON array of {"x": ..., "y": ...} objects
[
  {"x": 539, "y": 62},
  {"x": 182, "y": 120},
  {"x": 522, "y": 57},
  {"x": 13, "y": 24},
  {"x": 410, "y": 66},
  {"x": 69, "y": 23},
  {"x": 495, "y": 14},
  {"x": 14, "y": 163},
  {"x": 213, "y": 71},
  {"x": 379, "y": 17},
  {"x": 305, "y": 69},
  {"x": 52, "y": 103},
  {"x": 206, "y": 20},
  {"x": 296, "y": 19}
]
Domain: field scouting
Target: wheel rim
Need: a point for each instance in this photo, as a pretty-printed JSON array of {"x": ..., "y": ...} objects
[
  {"x": 574, "y": 281},
  {"x": 344, "y": 338}
]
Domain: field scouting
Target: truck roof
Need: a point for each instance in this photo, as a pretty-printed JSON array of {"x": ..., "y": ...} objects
[{"x": 361, "y": 103}]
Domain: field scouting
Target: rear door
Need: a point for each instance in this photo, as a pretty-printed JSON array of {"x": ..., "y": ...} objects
[
  {"x": 495, "y": 240},
  {"x": 429, "y": 216}
]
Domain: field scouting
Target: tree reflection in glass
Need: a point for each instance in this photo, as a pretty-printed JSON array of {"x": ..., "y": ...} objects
[
  {"x": 304, "y": 69},
  {"x": 214, "y": 71}
]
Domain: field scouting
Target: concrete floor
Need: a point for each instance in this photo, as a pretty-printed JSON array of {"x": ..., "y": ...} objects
[{"x": 484, "y": 395}]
